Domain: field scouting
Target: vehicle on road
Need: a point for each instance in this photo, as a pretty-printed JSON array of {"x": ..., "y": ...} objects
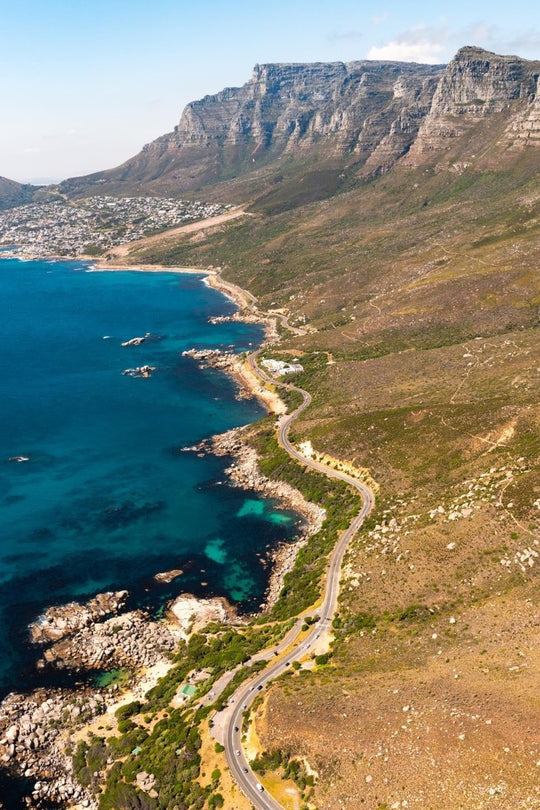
[{"x": 259, "y": 786}]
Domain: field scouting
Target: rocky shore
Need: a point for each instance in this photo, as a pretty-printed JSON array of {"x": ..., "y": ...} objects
[
  {"x": 35, "y": 732},
  {"x": 244, "y": 472},
  {"x": 38, "y": 731},
  {"x": 235, "y": 366}
]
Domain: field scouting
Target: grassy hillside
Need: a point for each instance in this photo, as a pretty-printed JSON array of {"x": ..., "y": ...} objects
[
  {"x": 13, "y": 194},
  {"x": 420, "y": 290}
]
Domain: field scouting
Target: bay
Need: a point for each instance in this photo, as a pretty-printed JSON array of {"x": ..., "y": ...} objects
[{"x": 107, "y": 498}]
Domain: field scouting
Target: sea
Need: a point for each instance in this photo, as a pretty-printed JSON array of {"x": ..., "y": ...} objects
[{"x": 97, "y": 489}]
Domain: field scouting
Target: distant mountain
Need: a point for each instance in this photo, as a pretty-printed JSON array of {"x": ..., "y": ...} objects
[
  {"x": 328, "y": 123},
  {"x": 13, "y": 193}
]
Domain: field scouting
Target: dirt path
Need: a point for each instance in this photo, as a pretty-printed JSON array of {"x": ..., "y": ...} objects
[{"x": 121, "y": 252}]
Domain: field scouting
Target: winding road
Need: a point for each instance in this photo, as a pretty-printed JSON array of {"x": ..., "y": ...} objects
[{"x": 247, "y": 692}]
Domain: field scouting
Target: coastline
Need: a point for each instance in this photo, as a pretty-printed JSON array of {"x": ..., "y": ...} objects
[
  {"x": 244, "y": 472},
  {"x": 76, "y": 638},
  {"x": 211, "y": 277}
]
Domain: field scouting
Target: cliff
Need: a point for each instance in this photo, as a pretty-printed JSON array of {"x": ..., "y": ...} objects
[
  {"x": 328, "y": 124},
  {"x": 478, "y": 85},
  {"x": 337, "y": 112}
]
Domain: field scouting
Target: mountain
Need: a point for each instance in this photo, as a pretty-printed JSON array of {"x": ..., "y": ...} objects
[
  {"x": 328, "y": 124},
  {"x": 13, "y": 193},
  {"x": 417, "y": 282},
  {"x": 336, "y": 113},
  {"x": 478, "y": 85}
]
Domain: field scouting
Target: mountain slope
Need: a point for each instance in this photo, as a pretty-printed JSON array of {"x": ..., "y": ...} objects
[
  {"x": 400, "y": 228},
  {"x": 334, "y": 112},
  {"x": 420, "y": 291},
  {"x": 327, "y": 126},
  {"x": 13, "y": 193}
]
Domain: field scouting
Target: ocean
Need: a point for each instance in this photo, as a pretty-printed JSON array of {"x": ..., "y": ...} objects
[{"x": 106, "y": 497}]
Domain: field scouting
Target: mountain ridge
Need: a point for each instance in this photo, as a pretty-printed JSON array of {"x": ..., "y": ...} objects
[
  {"x": 359, "y": 117},
  {"x": 13, "y": 193}
]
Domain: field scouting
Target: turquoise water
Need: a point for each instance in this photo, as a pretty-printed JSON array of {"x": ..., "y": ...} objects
[{"x": 107, "y": 497}]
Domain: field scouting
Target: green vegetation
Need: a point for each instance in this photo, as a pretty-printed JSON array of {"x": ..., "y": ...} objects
[
  {"x": 288, "y": 766},
  {"x": 169, "y": 749},
  {"x": 302, "y": 585},
  {"x": 420, "y": 286}
]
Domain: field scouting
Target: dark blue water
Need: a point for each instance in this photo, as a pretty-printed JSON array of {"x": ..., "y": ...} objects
[{"x": 107, "y": 499}]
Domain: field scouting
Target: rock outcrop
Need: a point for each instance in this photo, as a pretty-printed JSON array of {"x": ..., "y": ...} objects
[
  {"x": 60, "y": 621},
  {"x": 478, "y": 84},
  {"x": 33, "y": 732}
]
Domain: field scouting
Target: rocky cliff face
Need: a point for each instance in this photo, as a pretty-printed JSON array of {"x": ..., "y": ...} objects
[
  {"x": 290, "y": 108},
  {"x": 478, "y": 84},
  {"x": 362, "y": 116},
  {"x": 357, "y": 111}
]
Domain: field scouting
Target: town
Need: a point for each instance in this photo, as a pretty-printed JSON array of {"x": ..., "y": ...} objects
[{"x": 94, "y": 225}]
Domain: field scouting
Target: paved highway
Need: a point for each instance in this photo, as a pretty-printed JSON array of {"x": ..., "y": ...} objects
[{"x": 246, "y": 693}]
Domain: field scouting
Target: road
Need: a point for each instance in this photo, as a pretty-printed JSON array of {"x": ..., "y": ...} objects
[{"x": 246, "y": 693}]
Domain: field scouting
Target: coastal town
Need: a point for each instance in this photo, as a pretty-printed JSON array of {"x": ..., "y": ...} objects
[{"x": 92, "y": 226}]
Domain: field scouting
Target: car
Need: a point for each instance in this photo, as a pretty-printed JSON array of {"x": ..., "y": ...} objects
[
  {"x": 237, "y": 752},
  {"x": 245, "y": 770},
  {"x": 260, "y": 686},
  {"x": 236, "y": 728},
  {"x": 259, "y": 786}
]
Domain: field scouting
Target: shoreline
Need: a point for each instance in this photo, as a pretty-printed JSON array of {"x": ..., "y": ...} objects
[
  {"x": 211, "y": 277},
  {"x": 41, "y": 751}
]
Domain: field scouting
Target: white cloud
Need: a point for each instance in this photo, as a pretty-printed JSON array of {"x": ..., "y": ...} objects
[
  {"x": 427, "y": 53},
  {"x": 422, "y": 43},
  {"x": 433, "y": 44}
]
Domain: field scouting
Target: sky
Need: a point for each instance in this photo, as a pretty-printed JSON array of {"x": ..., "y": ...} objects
[{"x": 86, "y": 83}]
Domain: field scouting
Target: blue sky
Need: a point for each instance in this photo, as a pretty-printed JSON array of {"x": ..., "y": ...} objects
[{"x": 86, "y": 84}]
